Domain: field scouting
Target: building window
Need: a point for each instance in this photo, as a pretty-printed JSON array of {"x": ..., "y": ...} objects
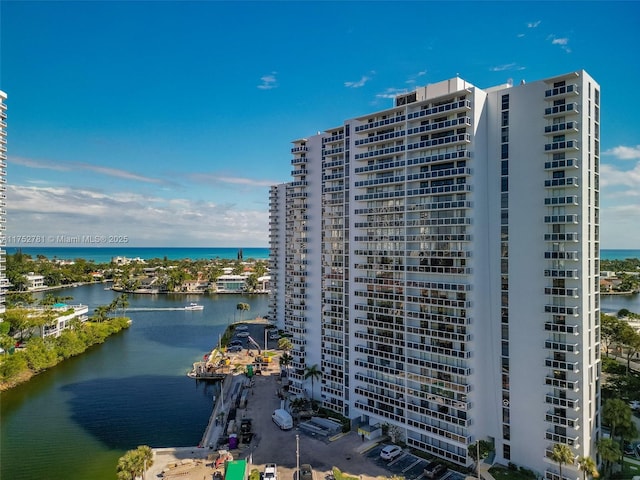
[{"x": 506, "y": 452}]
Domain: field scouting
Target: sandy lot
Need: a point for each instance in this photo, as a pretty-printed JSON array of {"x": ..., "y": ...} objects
[{"x": 270, "y": 445}]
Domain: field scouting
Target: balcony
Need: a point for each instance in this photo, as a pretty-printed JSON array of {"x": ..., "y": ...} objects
[
  {"x": 561, "y": 109},
  {"x": 561, "y": 127},
  {"x": 560, "y": 383},
  {"x": 561, "y": 401},
  {"x": 451, "y": 140},
  {"x": 299, "y": 160},
  {"x": 571, "y": 255},
  {"x": 561, "y": 237},
  {"x": 561, "y": 346},
  {"x": 571, "y": 89},
  {"x": 561, "y": 146},
  {"x": 558, "y": 365},
  {"x": 561, "y": 182},
  {"x": 559, "y": 438},
  {"x": 561, "y": 309},
  {"x": 564, "y": 163},
  {"x": 561, "y": 292},
  {"x": 299, "y": 149},
  {"x": 561, "y": 328},
  {"x": 561, "y": 219},
  {"x": 569, "y": 200}
]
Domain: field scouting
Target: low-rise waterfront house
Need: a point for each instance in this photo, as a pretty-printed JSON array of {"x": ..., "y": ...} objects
[
  {"x": 62, "y": 315},
  {"x": 35, "y": 282}
]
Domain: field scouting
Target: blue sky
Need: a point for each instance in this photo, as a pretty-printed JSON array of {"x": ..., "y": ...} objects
[{"x": 166, "y": 122}]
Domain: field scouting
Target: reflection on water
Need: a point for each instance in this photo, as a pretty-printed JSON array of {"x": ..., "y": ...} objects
[{"x": 74, "y": 421}]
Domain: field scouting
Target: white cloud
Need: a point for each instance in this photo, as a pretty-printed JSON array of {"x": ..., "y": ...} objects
[
  {"x": 63, "y": 166},
  {"x": 215, "y": 178},
  {"x": 624, "y": 153},
  {"x": 145, "y": 219},
  {"x": 562, "y": 42},
  {"x": 534, "y": 24},
  {"x": 268, "y": 81},
  {"x": 391, "y": 93},
  {"x": 611, "y": 176},
  {"x": 507, "y": 66},
  {"x": 414, "y": 78},
  {"x": 359, "y": 83}
]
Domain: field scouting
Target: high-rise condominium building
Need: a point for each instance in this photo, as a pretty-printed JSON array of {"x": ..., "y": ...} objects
[
  {"x": 438, "y": 263},
  {"x": 3, "y": 188}
]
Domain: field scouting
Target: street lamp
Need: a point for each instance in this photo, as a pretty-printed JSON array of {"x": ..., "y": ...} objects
[{"x": 298, "y": 457}]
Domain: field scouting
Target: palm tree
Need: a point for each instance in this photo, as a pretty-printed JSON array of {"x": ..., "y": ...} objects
[
  {"x": 242, "y": 307},
  {"x": 313, "y": 373},
  {"x": 562, "y": 454},
  {"x": 123, "y": 302},
  {"x": 285, "y": 344},
  {"x": 616, "y": 413},
  {"x": 609, "y": 450},
  {"x": 285, "y": 360},
  {"x": 588, "y": 467}
]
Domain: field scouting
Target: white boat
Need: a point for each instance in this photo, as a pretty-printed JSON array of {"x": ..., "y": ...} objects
[{"x": 194, "y": 306}]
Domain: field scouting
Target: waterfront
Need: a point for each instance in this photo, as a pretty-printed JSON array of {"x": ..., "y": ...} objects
[
  {"x": 75, "y": 420},
  {"x": 105, "y": 254}
]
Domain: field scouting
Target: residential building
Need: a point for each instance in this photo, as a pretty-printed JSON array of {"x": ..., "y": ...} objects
[
  {"x": 61, "y": 316},
  {"x": 35, "y": 282},
  {"x": 438, "y": 261},
  {"x": 4, "y": 284}
]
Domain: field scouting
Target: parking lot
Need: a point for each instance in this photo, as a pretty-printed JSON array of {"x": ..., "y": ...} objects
[{"x": 348, "y": 452}]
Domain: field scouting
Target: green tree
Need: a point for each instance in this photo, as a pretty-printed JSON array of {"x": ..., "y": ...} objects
[
  {"x": 100, "y": 313},
  {"x": 285, "y": 344},
  {"x": 243, "y": 307},
  {"x": 313, "y": 373},
  {"x": 134, "y": 463},
  {"x": 616, "y": 413},
  {"x": 630, "y": 339},
  {"x": 20, "y": 299},
  {"x": 285, "y": 360},
  {"x": 610, "y": 328},
  {"x": 610, "y": 452},
  {"x": 588, "y": 467},
  {"x": 251, "y": 282},
  {"x": 483, "y": 446},
  {"x": 123, "y": 303},
  {"x": 562, "y": 455}
]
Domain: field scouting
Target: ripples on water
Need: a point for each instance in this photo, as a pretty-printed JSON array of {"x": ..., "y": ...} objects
[{"x": 74, "y": 421}]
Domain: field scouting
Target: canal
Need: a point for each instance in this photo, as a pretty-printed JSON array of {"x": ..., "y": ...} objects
[{"x": 74, "y": 421}]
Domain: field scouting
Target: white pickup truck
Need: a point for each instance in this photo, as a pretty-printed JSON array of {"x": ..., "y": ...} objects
[{"x": 270, "y": 471}]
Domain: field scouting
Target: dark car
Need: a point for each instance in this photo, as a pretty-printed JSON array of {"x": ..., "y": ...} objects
[
  {"x": 306, "y": 473},
  {"x": 435, "y": 470},
  {"x": 235, "y": 343},
  {"x": 234, "y": 348},
  {"x": 628, "y": 449}
]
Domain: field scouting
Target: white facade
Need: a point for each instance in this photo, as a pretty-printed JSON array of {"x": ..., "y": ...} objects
[
  {"x": 3, "y": 189},
  {"x": 451, "y": 281}
]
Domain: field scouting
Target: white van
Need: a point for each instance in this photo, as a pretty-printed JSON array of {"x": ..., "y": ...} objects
[{"x": 283, "y": 419}]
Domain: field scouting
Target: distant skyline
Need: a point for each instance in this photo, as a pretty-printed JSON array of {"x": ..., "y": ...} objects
[{"x": 166, "y": 122}]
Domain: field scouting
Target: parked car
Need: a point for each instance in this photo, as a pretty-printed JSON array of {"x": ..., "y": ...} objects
[
  {"x": 235, "y": 343},
  {"x": 241, "y": 328},
  {"x": 435, "y": 470},
  {"x": 306, "y": 473},
  {"x": 242, "y": 334},
  {"x": 234, "y": 349},
  {"x": 274, "y": 336},
  {"x": 389, "y": 452},
  {"x": 270, "y": 471},
  {"x": 628, "y": 449}
]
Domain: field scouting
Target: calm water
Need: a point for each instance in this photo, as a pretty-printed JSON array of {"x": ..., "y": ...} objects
[{"x": 74, "y": 421}]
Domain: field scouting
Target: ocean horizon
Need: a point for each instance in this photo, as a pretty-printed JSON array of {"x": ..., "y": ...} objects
[{"x": 105, "y": 254}]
